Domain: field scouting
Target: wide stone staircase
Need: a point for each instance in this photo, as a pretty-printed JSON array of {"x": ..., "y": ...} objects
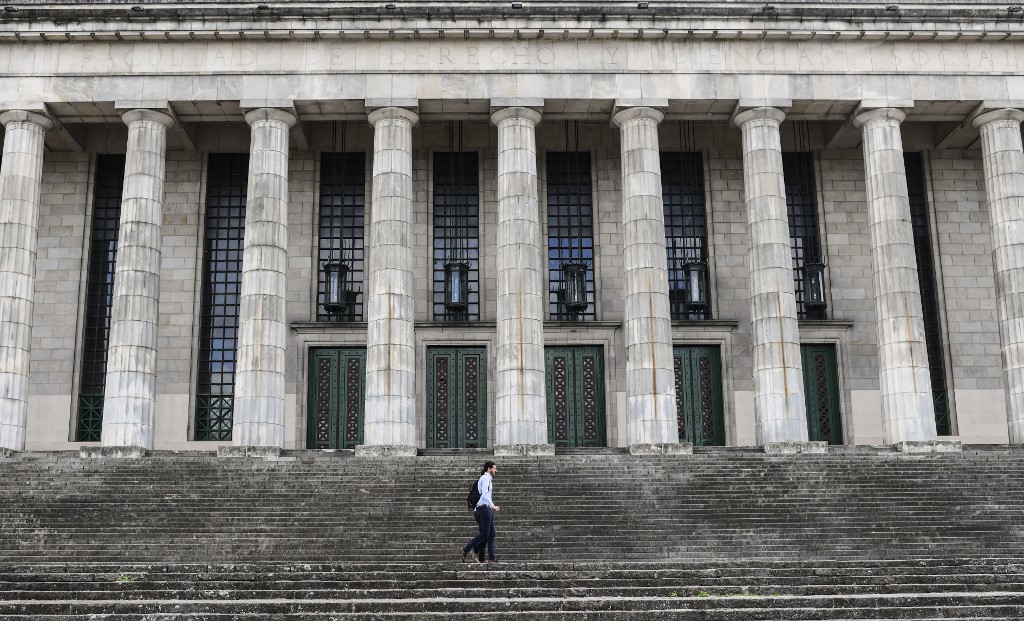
[{"x": 724, "y": 534}]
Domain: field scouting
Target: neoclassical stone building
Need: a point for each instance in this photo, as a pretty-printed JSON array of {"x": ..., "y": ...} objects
[{"x": 443, "y": 225}]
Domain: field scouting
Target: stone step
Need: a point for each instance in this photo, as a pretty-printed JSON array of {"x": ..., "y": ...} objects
[
  {"x": 144, "y": 590},
  {"x": 975, "y": 614},
  {"x": 995, "y": 603},
  {"x": 471, "y": 572},
  {"x": 593, "y": 506}
]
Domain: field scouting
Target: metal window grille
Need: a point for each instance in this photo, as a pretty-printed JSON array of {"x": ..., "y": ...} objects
[
  {"x": 570, "y": 228},
  {"x": 804, "y": 235},
  {"x": 686, "y": 232},
  {"x": 914, "y": 165},
  {"x": 99, "y": 295},
  {"x": 456, "y": 228},
  {"x": 341, "y": 227},
  {"x": 222, "y": 280}
]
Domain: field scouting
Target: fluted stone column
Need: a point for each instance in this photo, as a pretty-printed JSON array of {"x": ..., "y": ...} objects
[
  {"x": 908, "y": 413},
  {"x": 520, "y": 405},
  {"x": 390, "y": 426},
  {"x": 20, "y": 176},
  {"x": 259, "y": 375},
  {"x": 650, "y": 373},
  {"x": 129, "y": 398},
  {"x": 778, "y": 377},
  {"x": 1004, "y": 183}
]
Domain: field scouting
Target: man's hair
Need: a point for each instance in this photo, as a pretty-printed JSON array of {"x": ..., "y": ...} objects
[{"x": 487, "y": 466}]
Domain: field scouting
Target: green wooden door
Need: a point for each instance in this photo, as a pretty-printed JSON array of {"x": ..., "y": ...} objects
[
  {"x": 337, "y": 389},
  {"x": 456, "y": 397},
  {"x": 821, "y": 392},
  {"x": 699, "y": 395},
  {"x": 575, "y": 395}
]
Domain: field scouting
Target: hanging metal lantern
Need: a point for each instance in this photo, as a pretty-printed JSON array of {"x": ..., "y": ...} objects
[
  {"x": 456, "y": 285},
  {"x": 574, "y": 285},
  {"x": 337, "y": 295},
  {"x": 696, "y": 284},
  {"x": 814, "y": 285}
]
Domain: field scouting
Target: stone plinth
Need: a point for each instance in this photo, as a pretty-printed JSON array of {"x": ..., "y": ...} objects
[
  {"x": 668, "y": 448},
  {"x": 524, "y": 450},
  {"x": 113, "y": 452},
  {"x": 795, "y": 448},
  {"x": 384, "y": 450},
  {"x": 240, "y": 451},
  {"x": 933, "y": 446}
]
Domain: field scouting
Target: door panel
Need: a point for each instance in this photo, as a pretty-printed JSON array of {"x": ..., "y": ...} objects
[
  {"x": 575, "y": 396},
  {"x": 456, "y": 397},
  {"x": 821, "y": 393},
  {"x": 699, "y": 395},
  {"x": 337, "y": 389}
]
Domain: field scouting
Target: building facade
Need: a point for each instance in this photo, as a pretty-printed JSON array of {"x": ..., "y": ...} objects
[{"x": 421, "y": 224}]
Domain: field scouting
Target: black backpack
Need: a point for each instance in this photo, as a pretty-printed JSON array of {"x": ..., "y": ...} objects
[{"x": 474, "y": 495}]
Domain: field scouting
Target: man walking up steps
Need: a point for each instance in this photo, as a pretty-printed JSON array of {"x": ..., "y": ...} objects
[{"x": 484, "y": 514}]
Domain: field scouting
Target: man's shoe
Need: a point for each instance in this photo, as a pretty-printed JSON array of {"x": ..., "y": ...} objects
[{"x": 462, "y": 555}]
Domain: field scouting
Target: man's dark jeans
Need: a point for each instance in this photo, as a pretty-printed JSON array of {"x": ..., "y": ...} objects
[
  {"x": 485, "y": 518},
  {"x": 480, "y": 547}
]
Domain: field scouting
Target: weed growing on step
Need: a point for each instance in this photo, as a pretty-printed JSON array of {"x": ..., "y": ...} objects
[
  {"x": 125, "y": 579},
  {"x": 674, "y": 594},
  {"x": 703, "y": 594}
]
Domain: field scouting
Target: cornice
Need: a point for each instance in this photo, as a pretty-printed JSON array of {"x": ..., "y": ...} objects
[{"x": 158, "y": 21}]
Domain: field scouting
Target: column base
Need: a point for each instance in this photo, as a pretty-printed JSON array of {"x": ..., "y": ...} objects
[
  {"x": 112, "y": 452},
  {"x": 665, "y": 448},
  {"x": 385, "y": 450},
  {"x": 7, "y": 453},
  {"x": 932, "y": 446},
  {"x": 524, "y": 450},
  {"x": 795, "y": 448},
  {"x": 236, "y": 452}
]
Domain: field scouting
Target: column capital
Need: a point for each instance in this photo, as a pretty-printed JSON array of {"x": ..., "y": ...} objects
[
  {"x": 146, "y": 114},
  {"x": 15, "y": 116},
  {"x": 865, "y": 116},
  {"x": 1003, "y": 114},
  {"x": 392, "y": 112},
  {"x": 639, "y": 112},
  {"x": 270, "y": 114},
  {"x": 531, "y": 114},
  {"x": 763, "y": 113}
]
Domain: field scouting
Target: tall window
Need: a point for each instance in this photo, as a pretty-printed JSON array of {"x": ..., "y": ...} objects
[
  {"x": 686, "y": 231},
  {"x": 804, "y": 236},
  {"x": 570, "y": 237},
  {"x": 342, "y": 209},
  {"x": 929, "y": 289},
  {"x": 222, "y": 282},
  {"x": 99, "y": 295},
  {"x": 456, "y": 236}
]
